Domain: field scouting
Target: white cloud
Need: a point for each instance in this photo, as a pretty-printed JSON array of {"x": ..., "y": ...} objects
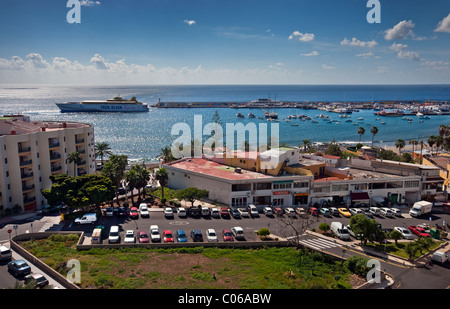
[
  {"x": 403, "y": 53},
  {"x": 313, "y": 53},
  {"x": 327, "y": 67},
  {"x": 400, "y": 31},
  {"x": 190, "y": 22},
  {"x": 89, "y": 3},
  {"x": 37, "y": 61},
  {"x": 356, "y": 42},
  {"x": 303, "y": 37},
  {"x": 365, "y": 55},
  {"x": 99, "y": 62},
  {"x": 444, "y": 25}
]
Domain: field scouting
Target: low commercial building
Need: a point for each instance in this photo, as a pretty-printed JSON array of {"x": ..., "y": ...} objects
[{"x": 31, "y": 151}]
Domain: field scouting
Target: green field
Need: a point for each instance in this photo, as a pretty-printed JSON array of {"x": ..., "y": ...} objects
[{"x": 193, "y": 268}]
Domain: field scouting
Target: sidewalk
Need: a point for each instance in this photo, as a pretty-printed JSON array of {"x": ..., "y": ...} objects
[{"x": 7, "y": 220}]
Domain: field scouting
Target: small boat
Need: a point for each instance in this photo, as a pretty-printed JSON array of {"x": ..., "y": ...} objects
[
  {"x": 383, "y": 122},
  {"x": 251, "y": 115},
  {"x": 348, "y": 120},
  {"x": 314, "y": 121},
  {"x": 294, "y": 124},
  {"x": 239, "y": 115},
  {"x": 360, "y": 118}
]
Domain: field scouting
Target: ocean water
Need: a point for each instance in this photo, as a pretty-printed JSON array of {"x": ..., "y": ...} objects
[{"x": 142, "y": 135}]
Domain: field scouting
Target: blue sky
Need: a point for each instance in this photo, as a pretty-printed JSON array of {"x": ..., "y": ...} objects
[{"x": 225, "y": 42}]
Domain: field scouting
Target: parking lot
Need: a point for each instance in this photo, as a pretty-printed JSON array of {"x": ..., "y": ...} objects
[{"x": 249, "y": 224}]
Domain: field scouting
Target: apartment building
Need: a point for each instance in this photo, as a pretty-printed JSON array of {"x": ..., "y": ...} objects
[{"x": 31, "y": 151}]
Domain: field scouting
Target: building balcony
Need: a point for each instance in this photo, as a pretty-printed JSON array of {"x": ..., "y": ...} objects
[
  {"x": 25, "y": 163},
  {"x": 24, "y": 150},
  {"x": 79, "y": 141},
  {"x": 55, "y": 169},
  {"x": 26, "y": 189},
  {"x": 24, "y": 176},
  {"x": 29, "y": 200},
  {"x": 53, "y": 145}
]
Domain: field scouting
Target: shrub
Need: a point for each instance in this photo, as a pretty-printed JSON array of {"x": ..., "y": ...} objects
[{"x": 263, "y": 232}]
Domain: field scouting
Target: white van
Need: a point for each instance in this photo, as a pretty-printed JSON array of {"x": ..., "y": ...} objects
[
  {"x": 440, "y": 257},
  {"x": 5, "y": 253},
  {"x": 97, "y": 236},
  {"x": 87, "y": 219},
  {"x": 253, "y": 211},
  {"x": 340, "y": 230},
  {"x": 143, "y": 210},
  {"x": 114, "y": 236},
  {"x": 375, "y": 211},
  {"x": 205, "y": 211}
]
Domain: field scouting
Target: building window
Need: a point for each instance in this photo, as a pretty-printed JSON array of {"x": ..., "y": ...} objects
[
  {"x": 277, "y": 186},
  {"x": 263, "y": 186},
  {"x": 239, "y": 201},
  {"x": 301, "y": 184},
  {"x": 339, "y": 188},
  {"x": 411, "y": 184}
]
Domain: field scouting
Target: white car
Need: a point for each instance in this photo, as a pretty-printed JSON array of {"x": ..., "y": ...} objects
[
  {"x": 182, "y": 212},
  {"x": 243, "y": 212},
  {"x": 386, "y": 212},
  {"x": 154, "y": 233},
  {"x": 404, "y": 231},
  {"x": 237, "y": 232},
  {"x": 211, "y": 235},
  {"x": 168, "y": 212},
  {"x": 129, "y": 237},
  {"x": 397, "y": 212},
  {"x": 290, "y": 212},
  {"x": 355, "y": 211},
  {"x": 268, "y": 211},
  {"x": 215, "y": 213},
  {"x": 143, "y": 210}
]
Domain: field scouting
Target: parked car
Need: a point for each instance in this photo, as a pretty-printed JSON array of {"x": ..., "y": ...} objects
[
  {"x": 419, "y": 231},
  {"x": 134, "y": 213},
  {"x": 182, "y": 212},
  {"x": 129, "y": 237},
  {"x": 19, "y": 268},
  {"x": 367, "y": 212},
  {"x": 227, "y": 235},
  {"x": 143, "y": 237},
  {"x": 386, "y": 212},
  {"x": 109, "y": 211},
  {"x": 404, "y": 231},
  {"x": 167, "y": 236},
  {"x": 301, "y": 212},
  {"x": 289, "y": 211},
  {"x": 36, "y": 280},
  {"x": 50, "y": 209},
  {"x": 215, "y": 213},
  {"x": 356, "y": 211},
  {"x": 325, "y": 211},
  {"x": 345, "y": 212},
  {"x": 237, "y": 232},
  {"x": 121, "y": 191},
  {"x": 235, "y": 213},
  {"x": 196, "y": 236},
  {"x": 375, "y": 211},
  {"x": 211, "y": 235},
  {"x": 122, "y": 211},
  {"x": 206, "y": 212},
  {"x": 154, "y": 233},
  {"x": 253, "y": 211},
  {"x": 114, "y": 236},
  {"x": 87, "y": 219},
  {"x": 143, "y": 210},
  {"x": 352, "y": 233},
  {"x": 243, "y": 212},
  {"x": 334, "y": 211},
  {"x": 168, "y": 212},
  {"x": 397, "y": 212},
  {"x": 5, "y": 253},
  {"x": 224, "y": 212},
  {"x": 278, "y": 211},
  {"x": 313, "y": 211},
  {"x": 268, "y": 211},
  {"x": 181, "y": 236}
]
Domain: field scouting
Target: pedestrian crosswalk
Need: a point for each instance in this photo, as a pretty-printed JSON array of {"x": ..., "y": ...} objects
[
  {"x": 51, "y": 224},
  {"x": 318, "y": 243}
]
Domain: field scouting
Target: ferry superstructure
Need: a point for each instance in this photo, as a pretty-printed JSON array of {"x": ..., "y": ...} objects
[{"x": 117, "y": 104}]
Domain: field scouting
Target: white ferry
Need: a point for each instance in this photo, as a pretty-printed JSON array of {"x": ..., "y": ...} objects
[{"x": 111, "y": 105}]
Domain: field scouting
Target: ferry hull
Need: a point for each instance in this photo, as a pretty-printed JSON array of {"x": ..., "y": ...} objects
[{"x": 116, "y": 108}]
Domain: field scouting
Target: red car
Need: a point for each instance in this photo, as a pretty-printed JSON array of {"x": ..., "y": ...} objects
[
  {"x": 419, "y": 231},
  {"x": 225, "y": 213},
  {"x": 313, "y": 211},
  {"x": 134, "y": 213},
  {"x": 227, "y": 236},
  {"x": 143, "y": 237},
  {"x": 167, "y": 236}
]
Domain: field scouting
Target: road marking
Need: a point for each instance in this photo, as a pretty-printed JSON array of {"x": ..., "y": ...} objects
[{"x": 319, "y": 244}]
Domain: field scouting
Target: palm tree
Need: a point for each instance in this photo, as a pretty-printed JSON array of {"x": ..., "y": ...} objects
[
  {"x": 142, "y": 176},
  {"x": 131, "y": 178},
  {"x": 413, "y": 142},
  {"x": 431, "y": 142},
  {"x": 400, "y": 144},
  {"x": 74, "y": 158},
  {"x": 114, "y": 169},
  {"x": 162, "y": 176},
  {"x": 361, "y": 132},
  {"x": 374, "y": 132},
  {"x": 421, "y": 149},
  {"x": 166, "y": 154},
  {"x": 102, "y": 150},
  {"x": 439, "y": 142},
  {"x": 306, "y": 144}
]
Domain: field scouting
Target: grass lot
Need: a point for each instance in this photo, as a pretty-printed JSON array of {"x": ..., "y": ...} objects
[
  {"x": 399, "y": 249},
  {"x": 193, "y": 268}
]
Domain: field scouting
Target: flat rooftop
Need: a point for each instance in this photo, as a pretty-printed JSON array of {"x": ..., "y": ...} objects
[
  {"x": 365, "y": 174},
  {"x": 211, "y": 168}
]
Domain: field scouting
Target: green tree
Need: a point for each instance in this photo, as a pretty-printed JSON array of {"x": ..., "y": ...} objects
[
  {"x": 411, "y": 249},
  {"x": 114, "y": 169},
  {"x": 395, "y": 235},
  {"x": 325, "y": 227},
  {"x": 192, "y": 194},
  {"x": 166, "y": 154},
  {"x": 102, "y": 149},
  {"x": 361, "y": 132},
  {"x": 400, "y": 144},
  {"x": 374, "y": 132},
  {"x": 431, "y": 142},
  {"x": 424, "y": 243},
  {"x": 163, "y": 177},
  {"x": 74, "y": 157},
  {"x": 364, "y": 227},
  {"x": 333, "y": 150}
]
